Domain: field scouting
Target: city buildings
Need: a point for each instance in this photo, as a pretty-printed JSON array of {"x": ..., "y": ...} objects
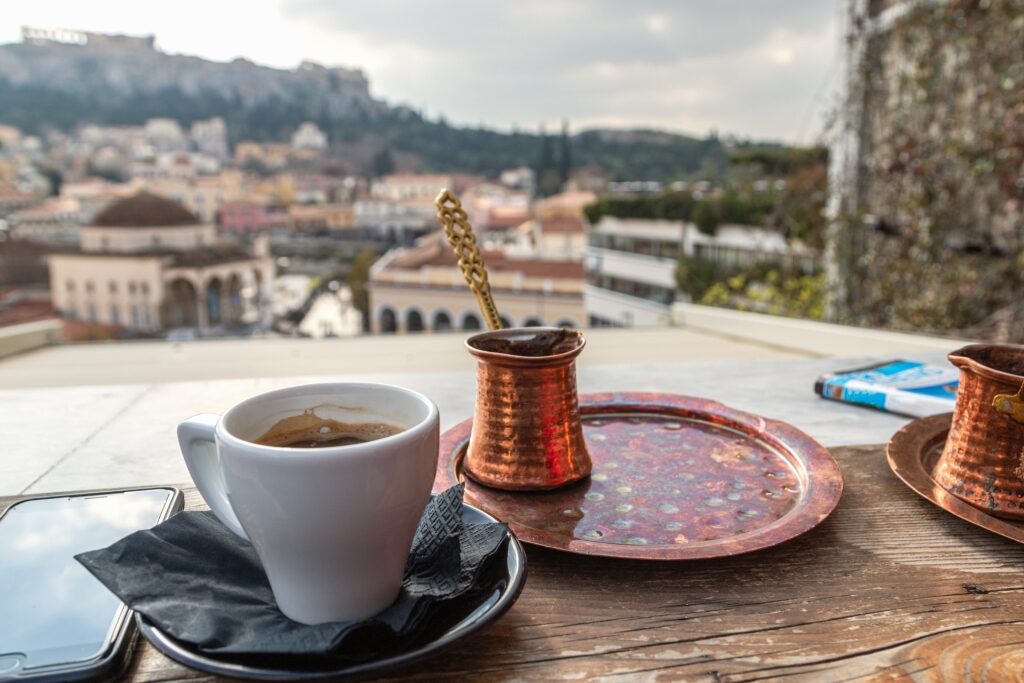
[
  {"x": 331, "y": 314},
  {"x": 408, "y": 187},
  {"x": 557, "y": 238},
  {"x": 491, "y": 206},
  {"x": 250, "y": 216},
  {"x": 520, "y": 178},
  {"x": 631, "y": 264},
  {"x": 421, "y": 289},
  {"x": 13, "y": 199},
  {"x": 267, "y": 156},
  {"x": 165, "y": 135},
  {"x": 56, "y": 221},
  {"x": 631, "y": 267},
  {"x": 203, "y": 195},
  {"x": 309, "y": 136},
  {"x": 321, "y": 218},
  {"x": 210, "y": 137},
  {"x": 94, "y": 194},
  {"x": 147, "y": 264},
  {"x": 391, "y": 222}
]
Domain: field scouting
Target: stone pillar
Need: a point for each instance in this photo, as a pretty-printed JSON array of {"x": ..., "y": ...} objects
[{"x": 202, "y": 313}]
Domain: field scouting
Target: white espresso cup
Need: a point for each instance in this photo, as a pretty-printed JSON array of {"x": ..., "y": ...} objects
[{"x": 332, "y": 526}]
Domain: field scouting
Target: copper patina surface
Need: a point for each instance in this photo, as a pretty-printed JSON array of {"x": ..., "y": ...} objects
[
  {"x": 914, "y": 453},
  {"x": 674, "y": 477},
  {"x": 983, "y": 459},
  {"x": 526, "y": 432}
]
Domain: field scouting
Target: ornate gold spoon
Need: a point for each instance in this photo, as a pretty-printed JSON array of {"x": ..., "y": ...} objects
[{"x": 460, "y": 235}]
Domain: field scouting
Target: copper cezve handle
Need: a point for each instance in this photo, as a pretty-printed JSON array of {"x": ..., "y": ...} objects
[{"x": 1011, "y": 405}]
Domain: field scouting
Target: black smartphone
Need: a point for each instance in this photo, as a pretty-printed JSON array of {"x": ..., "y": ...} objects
[{"x": 57, "y": 622}]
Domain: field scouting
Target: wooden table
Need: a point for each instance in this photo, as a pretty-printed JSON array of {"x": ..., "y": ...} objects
[{"x": 888, "y": 588}]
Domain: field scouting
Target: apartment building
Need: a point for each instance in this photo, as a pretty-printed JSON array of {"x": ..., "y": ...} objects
[{"x": 631, "y": 264}]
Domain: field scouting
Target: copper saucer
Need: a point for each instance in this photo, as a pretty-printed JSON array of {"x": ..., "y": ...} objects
[
  {"x": 674, "y": 478},
  {"x": 913, "y": 452}
]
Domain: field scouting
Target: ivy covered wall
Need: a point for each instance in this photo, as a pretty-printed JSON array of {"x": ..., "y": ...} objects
[{"x": 932, "y": 236}]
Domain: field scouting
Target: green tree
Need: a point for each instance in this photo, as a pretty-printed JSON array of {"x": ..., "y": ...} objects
[
  {"x": 695, "y": 276},
  {"x": 775, "y": 292},
  {"x": 800, "y": 209},
  {"x": 383, "y": 163},
  {"x": 55, "y": 177},
  {"x": 670, "y": 205},
  {"x": 358, "y": 278},
  {"x": 548, "y": 181},
  {"x": 565, "y": 154},
  {"x": 705, "y": 217}
]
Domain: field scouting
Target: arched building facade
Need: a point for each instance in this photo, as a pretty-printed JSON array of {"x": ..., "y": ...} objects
[
  {"x": 148, "y": 265},
  {"x": 420, "y": 289}
]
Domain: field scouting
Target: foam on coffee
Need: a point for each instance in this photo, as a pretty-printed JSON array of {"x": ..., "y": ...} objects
[{"x": 309, "y": 430}]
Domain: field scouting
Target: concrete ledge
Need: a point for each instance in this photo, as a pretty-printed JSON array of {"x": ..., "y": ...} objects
[
  {"x": 26, "y": 336},
  {"x": 807, "y": 336}
]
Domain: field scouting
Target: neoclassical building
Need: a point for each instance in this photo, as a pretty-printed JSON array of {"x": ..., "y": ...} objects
[
  {"x": 147, "y": 264},
  {"x": 420, "y": 289}
]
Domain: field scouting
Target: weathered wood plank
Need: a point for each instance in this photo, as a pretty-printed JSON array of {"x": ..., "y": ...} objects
[{"x": 889, "y": 588}]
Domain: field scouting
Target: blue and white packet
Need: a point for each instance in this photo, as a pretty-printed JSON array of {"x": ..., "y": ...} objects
[{"x": 899, "y": 386}]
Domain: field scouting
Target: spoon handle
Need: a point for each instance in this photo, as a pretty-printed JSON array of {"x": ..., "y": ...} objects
[{"x": 460, "y": 235}]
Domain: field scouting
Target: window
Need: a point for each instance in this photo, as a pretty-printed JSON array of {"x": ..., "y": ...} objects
[
  {"x": 91, "y": 313},
  {"x": 89, "y": 287},
  {"x": 115, "y": 314},
  {"x": 663, "y": 295},
  {"x": 643, "y": 247},
  {"x": 145, "y": 289},
  {"x": 70, "y": 285},
  {"x": 113, "y": 287},
  {"x": 131, "y": 288},
  {"x": 136, "y": 320},
  {"x": 598, "y": 321}
]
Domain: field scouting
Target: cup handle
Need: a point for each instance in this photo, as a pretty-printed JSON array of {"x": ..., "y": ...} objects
[
  {"x": 1011, "y": 405},
  {"x": 195, "y": 436}
]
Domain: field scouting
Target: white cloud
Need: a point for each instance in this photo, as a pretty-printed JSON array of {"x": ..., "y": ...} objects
[{"x": 755, "y": 69}]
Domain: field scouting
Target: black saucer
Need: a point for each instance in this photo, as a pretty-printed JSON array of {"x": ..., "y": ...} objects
[{"x": 499, "y": 589}]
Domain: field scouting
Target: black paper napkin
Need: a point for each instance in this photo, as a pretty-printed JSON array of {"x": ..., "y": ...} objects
[{"x": 200, "y": 583}]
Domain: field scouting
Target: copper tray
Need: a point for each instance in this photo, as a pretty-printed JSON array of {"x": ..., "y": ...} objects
[
  {"x": 674, "y": 478},
  {"x": 913, "y": 452}
]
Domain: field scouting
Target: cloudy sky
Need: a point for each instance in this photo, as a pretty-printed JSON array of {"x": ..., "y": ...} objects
[{"x": 756, "y": 68}]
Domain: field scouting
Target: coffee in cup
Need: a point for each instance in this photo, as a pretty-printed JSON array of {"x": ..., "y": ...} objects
[
  {"x": 328, "y": 482},
  {"x": 309, "y": 430}
]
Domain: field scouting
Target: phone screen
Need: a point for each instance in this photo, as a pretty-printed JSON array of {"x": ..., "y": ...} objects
[{"x": 52, "y": 611}]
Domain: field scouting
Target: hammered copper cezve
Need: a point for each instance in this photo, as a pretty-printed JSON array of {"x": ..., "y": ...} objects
[
  {"x": 913, "y": 453},
  {"x": 981, "y": 462},
  {"x": 526, "y": 434}
]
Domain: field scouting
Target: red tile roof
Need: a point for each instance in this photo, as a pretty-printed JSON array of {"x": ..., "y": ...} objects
[
  {"x": 145, "y": 209},
  {"x": 13, "y": 194},
  {"x": 16, "y": 307},
  {"x": 562, "y": 225},
  {"x": 434, "y": 250}
]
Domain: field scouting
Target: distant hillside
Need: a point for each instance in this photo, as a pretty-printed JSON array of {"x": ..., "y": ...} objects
[{"x": 122, "y": 80}]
